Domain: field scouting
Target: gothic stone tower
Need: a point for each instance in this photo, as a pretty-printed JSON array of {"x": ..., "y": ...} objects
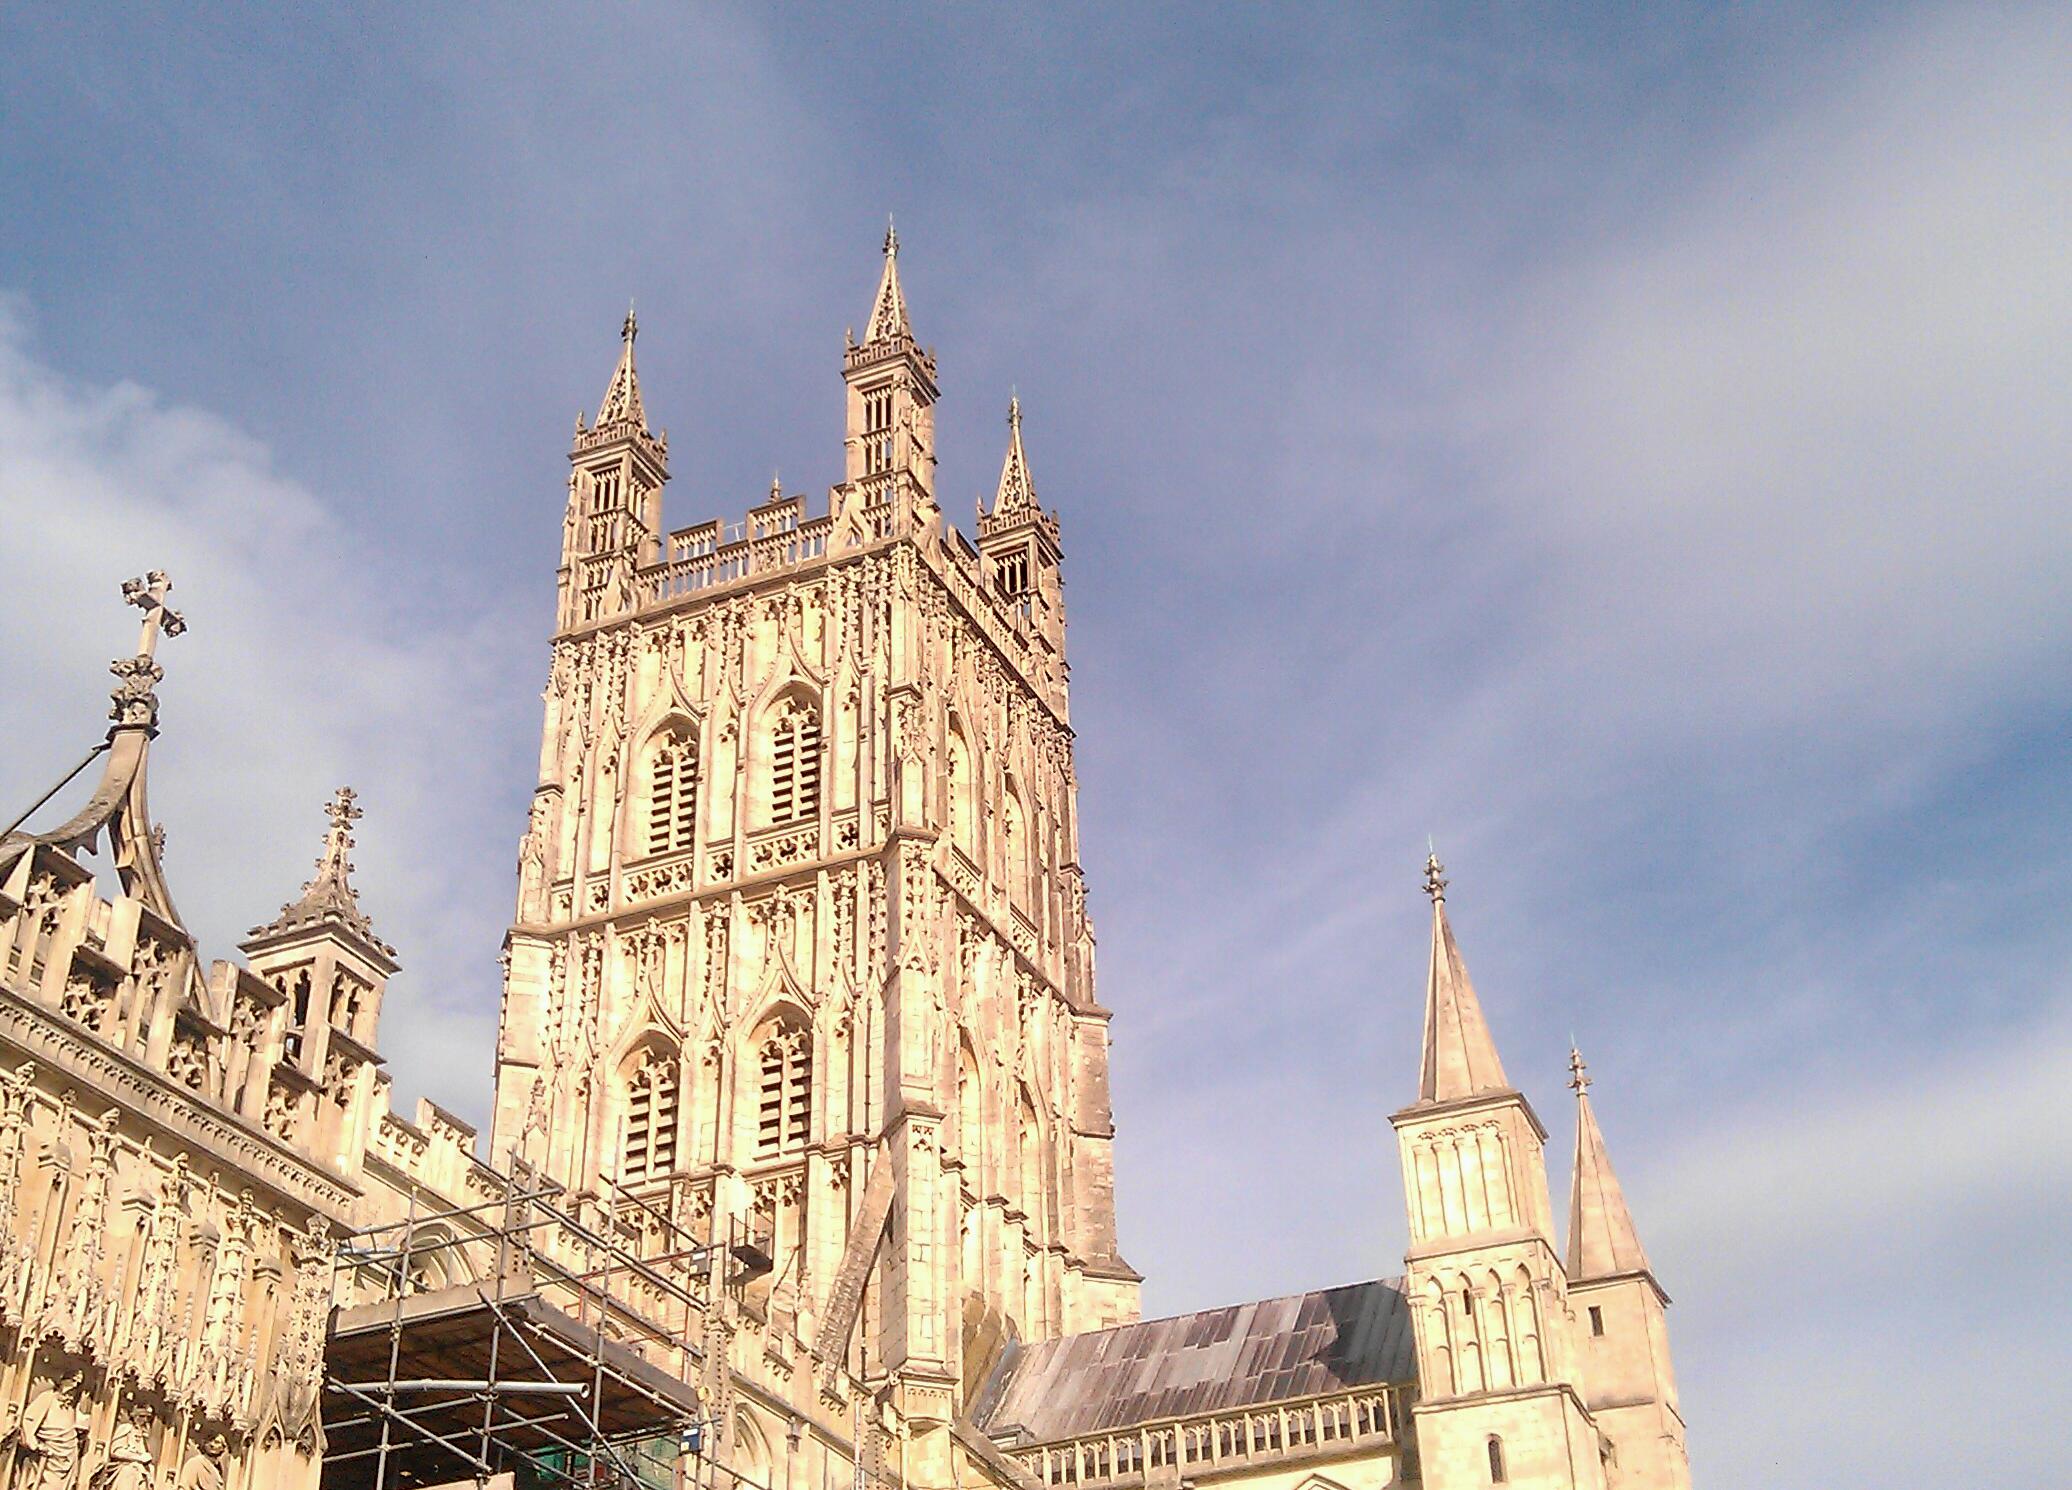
[
  {"x": 1499, "y": 1372},
  {"x": 801, "y": 946}
]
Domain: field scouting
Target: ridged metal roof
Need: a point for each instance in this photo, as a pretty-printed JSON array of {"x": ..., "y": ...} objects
[{"x": 1242, "y": 1355}]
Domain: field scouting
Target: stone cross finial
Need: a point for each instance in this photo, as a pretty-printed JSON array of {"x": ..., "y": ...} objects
[
  {"x": 1434, "y": 881},
  {"x": 135, "y": 705},
  {"x": 343, "y": 812},
  {"x": 629, "y": 328},
  {"x": 891, "y": 237},
  {"x": 148, "y": 595},
  {"x": 1577, "y": 1081}
]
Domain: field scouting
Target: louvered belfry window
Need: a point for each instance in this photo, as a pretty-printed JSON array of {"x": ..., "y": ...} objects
[
  {"x": 651, "y": 1113},
  {"x": 785, "y": 1111},
  {"x": 877, "y": 431},
  {"x": 794, "y": 763},
  {"x": 673, "y": 796}
]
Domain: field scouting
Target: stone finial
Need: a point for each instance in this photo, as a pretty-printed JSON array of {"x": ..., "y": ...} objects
[
  {"x": 1016, "y": 495},
  {"x": 622, "y": 405},
  {"x": 1578, "y": 1082},
  {"x": 329, "y": 896},
  {"x": 1435, "y": 879},
  {"x": 135, "y": 704},
  {"x": 888, "y": 311}
]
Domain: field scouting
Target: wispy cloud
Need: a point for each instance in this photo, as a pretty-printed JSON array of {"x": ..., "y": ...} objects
[{"x": 289, "y": 683}]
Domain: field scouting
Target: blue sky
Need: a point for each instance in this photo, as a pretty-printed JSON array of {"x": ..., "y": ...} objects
[{"x": 1631, "y": 448}]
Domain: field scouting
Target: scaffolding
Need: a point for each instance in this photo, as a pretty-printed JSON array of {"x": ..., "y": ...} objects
[{"x": 521, "y": 1335}]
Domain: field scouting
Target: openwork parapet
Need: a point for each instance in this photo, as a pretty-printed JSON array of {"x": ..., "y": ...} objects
[{"x": 1250, "y": 1437}]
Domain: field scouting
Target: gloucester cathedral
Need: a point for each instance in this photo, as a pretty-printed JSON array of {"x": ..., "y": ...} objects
[{"x": 800, "y": 1165}]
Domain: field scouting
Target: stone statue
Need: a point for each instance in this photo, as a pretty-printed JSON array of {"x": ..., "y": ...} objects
[
  {"x": 204, "y": 1469},
  {"x": 127, "y": 1464},
  {"x": 48, "y": 1437}
]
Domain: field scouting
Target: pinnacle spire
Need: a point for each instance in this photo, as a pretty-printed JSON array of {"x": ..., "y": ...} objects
[
  {"x": 1601, "y": 1239},
  {"x": 621, "y": 404},
  {"x": 329, "y": 895},
  {"x": 888, "y": 311},
  {"x": 1016, "y": 496},
  {"x": 1460, "y": 1059}
]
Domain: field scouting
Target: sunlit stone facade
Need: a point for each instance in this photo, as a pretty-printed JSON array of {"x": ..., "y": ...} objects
[{"x": 801, "y": 970}]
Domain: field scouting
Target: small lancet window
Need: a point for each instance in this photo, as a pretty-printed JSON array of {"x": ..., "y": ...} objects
[
  {"x": 651, "y": 1112},
  {"x": 1596, "y": 1320},
  {"x": 794, "y": 763},
  {"x": 673, "y": 795},
  {"x": 1496, "y": 1461},
  {"x": 784, "y": 1111}
]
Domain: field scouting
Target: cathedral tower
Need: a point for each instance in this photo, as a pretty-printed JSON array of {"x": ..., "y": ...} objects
[
  {"x": 1498, "y": 1370},
  {"x": 801, "y": 949},
  {"x": 1620, "y": 1310}
]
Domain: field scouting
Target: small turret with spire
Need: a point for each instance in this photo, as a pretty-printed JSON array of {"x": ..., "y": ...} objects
[
  {"x": 890, "y": 428},
  {"x": 1628, "y": 1381},
  {"x": 613, "y": 524},
  {"x": 320, "y": 954},
  {"x": 1020, "y": 540},
  {"x": 1497, "y": 1366},
  {"x": 329, "y": 895}
]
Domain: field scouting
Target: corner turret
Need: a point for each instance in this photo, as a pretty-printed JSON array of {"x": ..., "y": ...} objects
[
  {"x": 890, "y": 428},
  {"x": 613, "y": 526},
  {"x": 1621, "y": 1320},
  {"x": 320, "y": 954},
  {"x": 1019, "y": 541}
]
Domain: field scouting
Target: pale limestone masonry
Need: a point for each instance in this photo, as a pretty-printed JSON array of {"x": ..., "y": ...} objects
[{"x": 801, "y": 967}]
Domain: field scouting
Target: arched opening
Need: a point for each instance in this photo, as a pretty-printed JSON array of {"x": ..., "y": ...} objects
[
  {"x": 669, "y": 824},
  {"x": 1496, "y": 1461},
  {"x": 647, "y": 1146},
  {"x": 794, "y": 772},
  {"x": 784, "y": 1086}
]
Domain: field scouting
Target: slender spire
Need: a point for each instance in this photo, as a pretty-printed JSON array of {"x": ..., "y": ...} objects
[
  {"x": 1016, "y": 496},
  {"x": 329, "y": 895},
  {"x": 621, "y": 404},
  {"x": 1459, "y": 1057},
  {"x": 1601, "y": 1240},
  {"x": 888, "y": 311}
]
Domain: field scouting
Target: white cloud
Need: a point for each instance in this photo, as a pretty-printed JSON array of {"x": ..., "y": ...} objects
[
  {"x": 1799, "y": 446},
  {"x": 1897, "y": 1235},
  {"x": 291, "y": 681}
]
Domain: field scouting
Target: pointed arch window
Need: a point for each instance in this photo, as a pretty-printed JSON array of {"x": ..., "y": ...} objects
[
  {"x": 784, "y": 1106},
  {"x": 1496, "y": 1461},
  {"x": 794, "y": 762},
  {"x": 672, "y": 815},
  {"x": 649, "y": 1147}
]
